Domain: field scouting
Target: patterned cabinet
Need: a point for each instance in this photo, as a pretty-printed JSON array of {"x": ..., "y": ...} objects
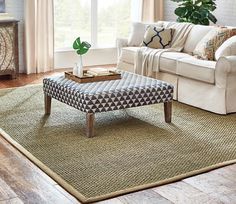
[{"x": 9, "y": 57}]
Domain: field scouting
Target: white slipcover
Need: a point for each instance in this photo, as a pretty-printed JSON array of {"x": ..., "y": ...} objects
[
  {"x": 197, "y": 69},
  {"x": 210, "y": 85},
  {"x": 194, "y": 37}
]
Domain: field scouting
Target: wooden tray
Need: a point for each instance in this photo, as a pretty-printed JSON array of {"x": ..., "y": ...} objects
[{"x": 87, "y": 78}]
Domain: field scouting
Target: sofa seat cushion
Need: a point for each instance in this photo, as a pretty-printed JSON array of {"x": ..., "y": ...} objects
[
  {"x": 198, "y": 69},
  {"x": 128, "y": 54},
  {"x": 168, "y": 61}
]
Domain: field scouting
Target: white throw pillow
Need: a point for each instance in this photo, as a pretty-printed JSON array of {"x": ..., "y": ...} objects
[
  {"x": 228, "y": 48},
  {"x": 137, "y": 32}
]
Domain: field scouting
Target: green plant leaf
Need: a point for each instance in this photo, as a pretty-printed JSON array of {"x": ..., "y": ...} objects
[
  {"x": 77, "y": 43},
  {"x": 181, "y": 11},
  {"x": 204, "y": 13},
  {"x": 212, "y": 17},
  {"x": 82, "y": 51},
  {"x": 196, "y": 15},
  {"x": 86, "y": 44},
  {"x": 205, "y": 21}
]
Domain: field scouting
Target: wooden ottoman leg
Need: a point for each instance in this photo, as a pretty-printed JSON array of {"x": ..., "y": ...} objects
[
  {"x": 47, "y": 104},
  {"x": 168, "y": 111},
  {"x": 90, "y": 124}
]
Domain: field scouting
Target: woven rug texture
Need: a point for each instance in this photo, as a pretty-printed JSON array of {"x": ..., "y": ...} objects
[{"x": 132, "y": 147}]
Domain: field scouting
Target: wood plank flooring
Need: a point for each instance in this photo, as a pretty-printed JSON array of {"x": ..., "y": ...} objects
[{"x": 23, "y": 182}]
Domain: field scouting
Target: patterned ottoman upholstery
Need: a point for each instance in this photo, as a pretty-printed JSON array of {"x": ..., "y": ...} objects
[{"x": 130, "y": 91}]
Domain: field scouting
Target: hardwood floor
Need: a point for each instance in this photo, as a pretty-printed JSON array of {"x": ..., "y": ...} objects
[
  {"x": 24, "y": 79},
  {"x": 23, "y": 182}
]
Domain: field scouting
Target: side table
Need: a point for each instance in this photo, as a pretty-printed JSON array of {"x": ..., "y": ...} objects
[{"x": 9, "y": 53}]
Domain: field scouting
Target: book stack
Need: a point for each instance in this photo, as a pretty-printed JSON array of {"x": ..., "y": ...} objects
[{"x": 99, "y": 71}]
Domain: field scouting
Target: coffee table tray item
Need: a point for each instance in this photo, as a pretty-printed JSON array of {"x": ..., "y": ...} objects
[{"x": 88, "y": 78}]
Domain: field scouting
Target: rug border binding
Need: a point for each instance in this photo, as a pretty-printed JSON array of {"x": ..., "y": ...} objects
[{"x": 81, "y": 197}]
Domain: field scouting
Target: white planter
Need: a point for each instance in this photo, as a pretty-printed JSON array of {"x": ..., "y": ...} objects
[
  {"x": 78, "y": 68},
  {"x": 75, "y": 69}
]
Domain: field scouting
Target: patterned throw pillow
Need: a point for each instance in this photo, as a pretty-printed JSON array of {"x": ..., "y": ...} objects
[
  {"x": 207, "y": 47},
  {"x": 157, "y": 37},
  {"x": 232, "y": 32}
]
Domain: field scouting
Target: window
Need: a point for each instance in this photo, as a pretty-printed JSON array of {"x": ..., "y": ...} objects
[
  {"x": 99, "y": 22},
  {"x": 72, "y": 18},
  {"x": 114, "y": 19}
]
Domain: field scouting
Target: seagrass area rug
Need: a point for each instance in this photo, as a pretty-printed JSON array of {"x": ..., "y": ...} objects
[{"x": 133, "y": 149}]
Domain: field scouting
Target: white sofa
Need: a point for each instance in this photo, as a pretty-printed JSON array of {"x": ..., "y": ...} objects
[{"x": 209, "y": 85}]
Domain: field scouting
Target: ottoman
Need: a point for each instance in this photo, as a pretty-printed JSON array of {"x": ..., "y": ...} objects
[{"x": 130, "y": 91}]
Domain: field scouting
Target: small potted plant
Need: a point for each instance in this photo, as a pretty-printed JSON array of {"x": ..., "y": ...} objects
[{"x": 81, "y": 48}]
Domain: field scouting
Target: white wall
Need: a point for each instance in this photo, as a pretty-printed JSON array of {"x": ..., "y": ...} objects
[
  {"x": 67, "y": 59},
  {"x": 16, "y": 9},
  {"x": 169, "y": 8},
  {"x": 225, "y": 12}
]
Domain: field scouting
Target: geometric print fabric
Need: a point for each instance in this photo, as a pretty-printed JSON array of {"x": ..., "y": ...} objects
[
  {"x": 158, "y": 37},
  {"x": 131, "y": 91}
]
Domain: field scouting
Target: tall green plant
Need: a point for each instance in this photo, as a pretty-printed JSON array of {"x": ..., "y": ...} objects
[{"x": 196, "y": 11}]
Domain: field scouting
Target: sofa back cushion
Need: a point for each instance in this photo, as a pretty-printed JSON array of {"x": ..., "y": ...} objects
[
  {"x": 195, "y": 35},
  {"x": 158, "y": 37}
]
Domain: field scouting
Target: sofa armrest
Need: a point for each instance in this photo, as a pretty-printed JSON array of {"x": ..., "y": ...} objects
[
  {"x": 121, "y": 42},
  {"x": 225, "y": 71}
]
